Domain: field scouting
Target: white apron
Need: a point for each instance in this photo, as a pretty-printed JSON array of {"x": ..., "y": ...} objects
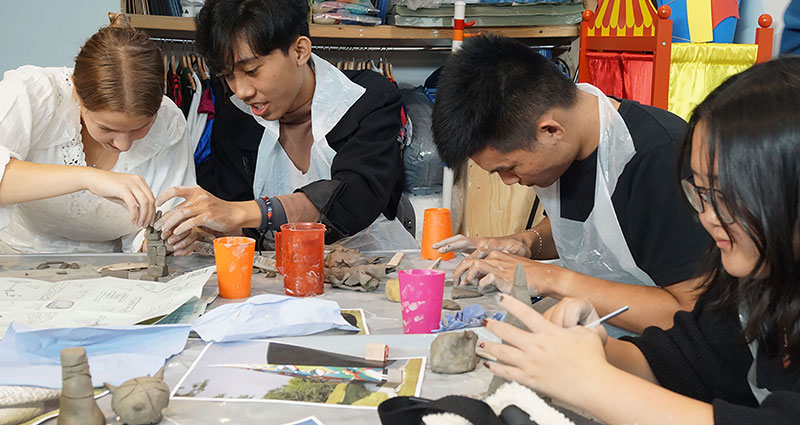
[
  {"x": 275, "y": 173},
  {"x": 597, "y": 246}
]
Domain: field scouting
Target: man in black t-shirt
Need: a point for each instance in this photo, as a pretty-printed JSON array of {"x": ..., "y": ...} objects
[{"x": 603, "y": 168}]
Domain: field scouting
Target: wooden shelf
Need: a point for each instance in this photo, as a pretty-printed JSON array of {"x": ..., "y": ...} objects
[{"x": 172, "y": 27}]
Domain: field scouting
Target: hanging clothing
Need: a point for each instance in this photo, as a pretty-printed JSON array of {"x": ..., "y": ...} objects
[
  {"x": 203, "y": 149},
  {"x": 40, "y": 122},
  {"x": 195, "y": 120},
  {"x": 186, "y": 75},
  {"x": 355, "y": 174},
  {"x": 597, "y": 246},
  {"x": 174, "y": 88},
  {"x": 702, "y": 357}
]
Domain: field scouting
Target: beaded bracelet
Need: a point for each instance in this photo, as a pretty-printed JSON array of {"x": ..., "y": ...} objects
[
  {"x": 541, "y": 242},
  {"x": 266, "y": 213}
]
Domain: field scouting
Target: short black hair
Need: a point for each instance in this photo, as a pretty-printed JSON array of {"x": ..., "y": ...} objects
[
  {"x": 491, "y": 93},
  {"x": 267, "y": 25}
]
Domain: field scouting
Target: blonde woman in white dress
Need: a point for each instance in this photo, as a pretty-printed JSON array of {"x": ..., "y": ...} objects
[{"x": 83, "y": 150}]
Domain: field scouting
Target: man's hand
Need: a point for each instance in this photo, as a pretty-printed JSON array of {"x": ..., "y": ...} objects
[
  {"x": 498, "y": 269},
  {"x": 199, "y": 209},
  {"x": 481, "y": 247}
]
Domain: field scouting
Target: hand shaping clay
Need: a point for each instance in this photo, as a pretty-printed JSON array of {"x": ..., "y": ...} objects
[
  {"x": 454, "y": 352},
  {"x": 77, "y": 405},
  {"x": 139, "y": 401}
]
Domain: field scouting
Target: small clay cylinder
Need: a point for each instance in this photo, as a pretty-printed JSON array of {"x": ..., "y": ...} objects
[{"x": 78, "y": 406}]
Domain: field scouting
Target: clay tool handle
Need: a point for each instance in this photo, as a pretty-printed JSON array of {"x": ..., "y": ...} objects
[
  {"x": 435, "y": 264},
  {"x": 608, "y": 316}
]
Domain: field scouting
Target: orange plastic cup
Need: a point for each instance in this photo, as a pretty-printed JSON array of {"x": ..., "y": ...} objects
[
  {"x": 303, "y": 257},
  {"x": 234, "y": 258},
  {"x": 278, "y": 252},
  {"x": 436, "y": 227}
]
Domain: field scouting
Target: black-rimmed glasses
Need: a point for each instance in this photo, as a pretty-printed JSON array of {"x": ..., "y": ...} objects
[{"x": 699, "y": 195}]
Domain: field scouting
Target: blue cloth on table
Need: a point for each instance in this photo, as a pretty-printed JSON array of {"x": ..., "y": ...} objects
[
  {"x": 115, "y": 353},
  {"x": 470, "y": 317}
]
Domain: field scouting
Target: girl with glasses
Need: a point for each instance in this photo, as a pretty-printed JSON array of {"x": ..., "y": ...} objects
[{"x": 734, "y": 359}]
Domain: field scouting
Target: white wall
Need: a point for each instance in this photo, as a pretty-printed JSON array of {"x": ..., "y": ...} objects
[
  {"x": 48, "y": 32},
  {"x": 750, "y": 10}
]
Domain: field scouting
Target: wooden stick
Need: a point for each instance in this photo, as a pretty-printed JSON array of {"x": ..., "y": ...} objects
[{"x": 396, "y": 259}]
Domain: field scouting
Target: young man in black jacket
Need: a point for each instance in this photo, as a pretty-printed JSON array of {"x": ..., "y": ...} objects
[{"x": 300, "y": 141}]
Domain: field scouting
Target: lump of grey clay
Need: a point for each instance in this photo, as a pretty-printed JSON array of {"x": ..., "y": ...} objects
[
  {"x": 457, "y": 293},
  {"x": 139, "y": 401},
  {"x": 454, "y": 352},
  {"x": 450, "y": 305}
]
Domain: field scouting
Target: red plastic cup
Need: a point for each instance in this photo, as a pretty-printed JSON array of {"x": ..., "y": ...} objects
[
  {"x": 421, "y": 293},
  {"x": 303, "y": 257},
  {"x": 234, "y": 258},
  {"x": 436, "y": 227},
  {"x": 278, "y": 252}
]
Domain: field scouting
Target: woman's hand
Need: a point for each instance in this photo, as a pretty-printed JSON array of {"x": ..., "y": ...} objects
[
  {"x": 551, "y": 359},
  {"x": 572, "y": 312},
  {"x": 129, "y": 190}
]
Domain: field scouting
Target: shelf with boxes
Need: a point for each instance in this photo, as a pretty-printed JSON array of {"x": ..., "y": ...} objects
[{"x": 177, "y": 27}]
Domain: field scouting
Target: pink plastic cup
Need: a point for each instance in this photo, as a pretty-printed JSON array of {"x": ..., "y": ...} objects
[{"x": 421, "y": 293}]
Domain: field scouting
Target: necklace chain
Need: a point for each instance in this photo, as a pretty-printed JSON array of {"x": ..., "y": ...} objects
[{"x": 99, "y": 159}]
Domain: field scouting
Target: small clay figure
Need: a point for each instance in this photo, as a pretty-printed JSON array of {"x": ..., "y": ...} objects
[
  {"x": 63, "y": 266},
  {"x": 42, "y": 266},
  {"x": 520, "y": 292},
  {"x": 61, "y": 272},
  {"x": 139, "y": 401},
  {"x": 450, "y": 305},
  {"x": 78, "y": 406},
  {"x": 74, "y": 266},
  {"x": 454, "y": 352},
  {"x": 156, "y": 251},
  {"x": 458, "y": 293}
]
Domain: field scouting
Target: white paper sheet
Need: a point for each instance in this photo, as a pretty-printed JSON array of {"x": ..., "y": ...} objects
[{"x": 106, "y": 301}]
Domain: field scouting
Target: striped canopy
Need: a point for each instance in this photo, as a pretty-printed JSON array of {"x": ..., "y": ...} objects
[{"x": 624, "y": 18}]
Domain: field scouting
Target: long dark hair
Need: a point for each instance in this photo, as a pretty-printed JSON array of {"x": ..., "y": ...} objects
[{"x": 752, "y": 128}]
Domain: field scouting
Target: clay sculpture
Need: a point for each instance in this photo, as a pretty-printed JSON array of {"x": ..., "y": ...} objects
[
  {"x": 454, "y": 352},
  {"x": 139, "y": 401},
  {"x": 156, "y": 252},
  {"x": 78, "y": 406},
  {"x": 520, "y": 292}
]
